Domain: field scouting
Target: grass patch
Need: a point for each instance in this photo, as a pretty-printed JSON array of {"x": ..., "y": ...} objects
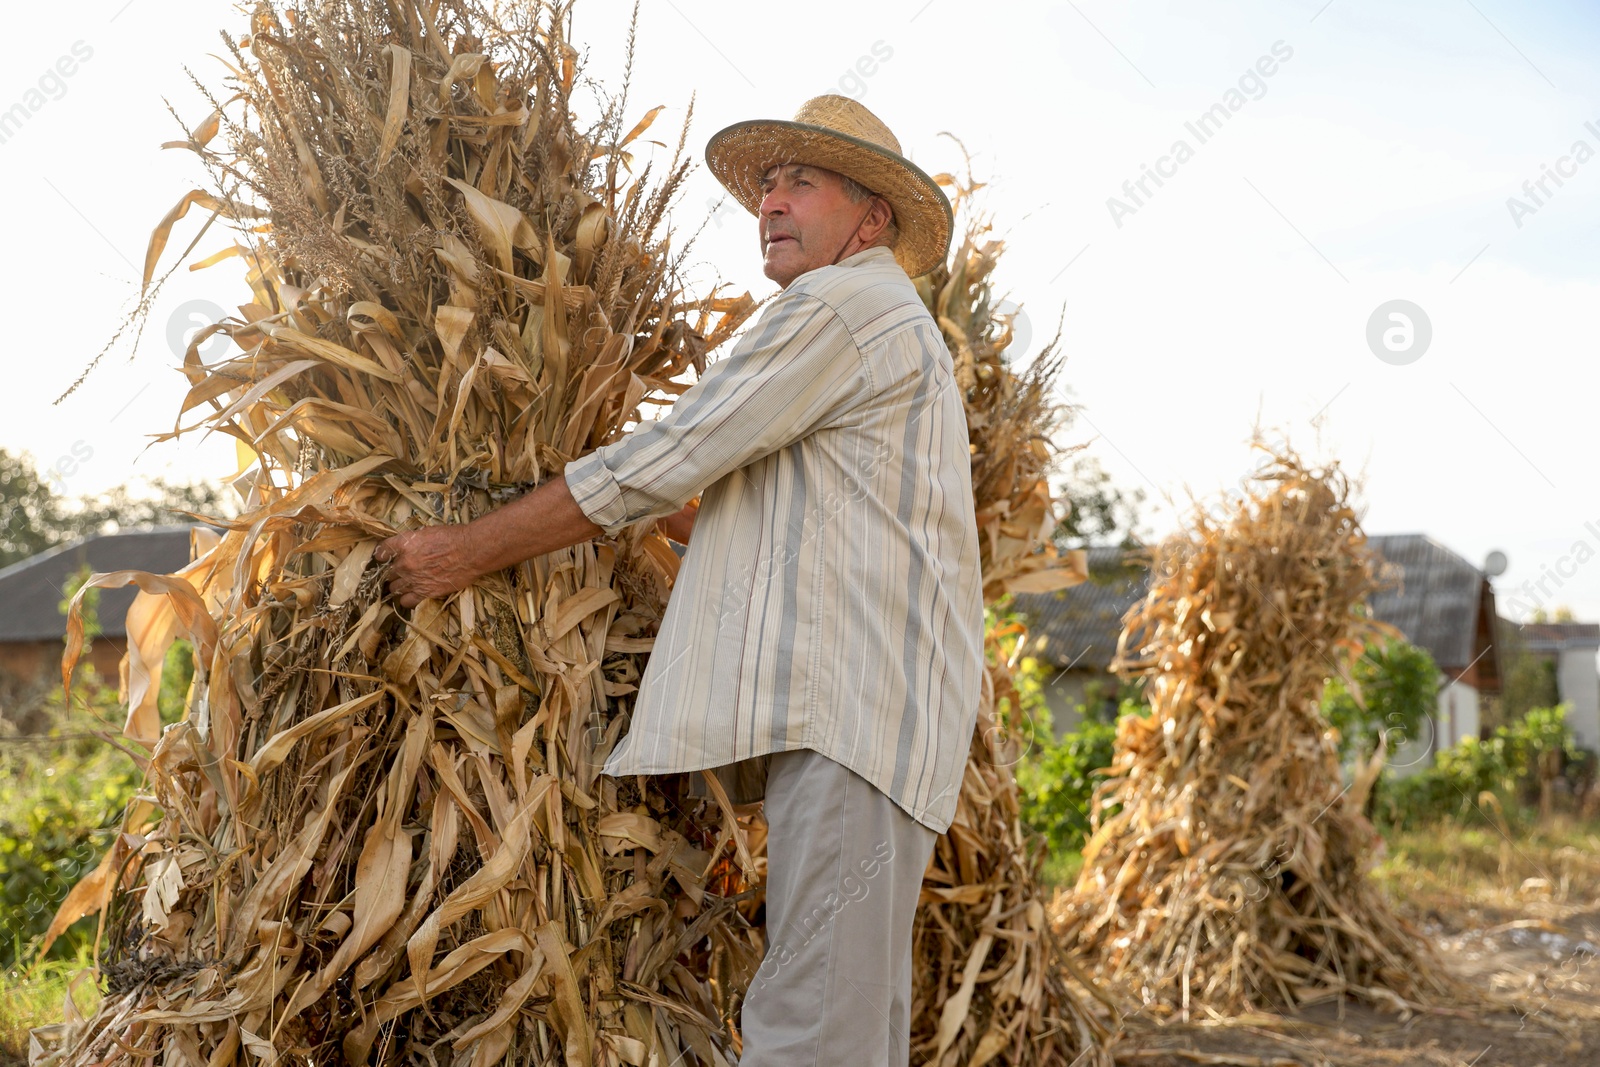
[
  {"x": 1061, "y": 869},
  {"x": 1448, "y": 863},
  {"x": 1557, "y": 860},
  {"x": 36, "y": 998}
]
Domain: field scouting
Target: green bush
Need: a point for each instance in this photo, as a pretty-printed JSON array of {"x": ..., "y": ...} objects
[
  {"x": 59, "y": 808},
  {"x": 1058, "y": 780},
  {"x": 1055, "y": 778},
  {"x": 1509, "y": 764},
  {"x": 1399, "y": 685},
  {"x": 62, "y": 797}
]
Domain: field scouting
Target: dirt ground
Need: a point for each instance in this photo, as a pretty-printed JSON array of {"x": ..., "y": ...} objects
[{"x": 1535, "y": 948}]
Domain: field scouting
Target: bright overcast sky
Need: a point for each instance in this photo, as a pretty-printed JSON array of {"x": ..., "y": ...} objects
[{"x": 1373, "y": 163}]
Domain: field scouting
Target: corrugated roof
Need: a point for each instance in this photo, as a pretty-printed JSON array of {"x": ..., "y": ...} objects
[
  {"x": 1434, "y": 602},
  {"x": 1550, "y": 636},
  {"x": 1079, "y": 626},
  {"x": 31, "y": 590}
]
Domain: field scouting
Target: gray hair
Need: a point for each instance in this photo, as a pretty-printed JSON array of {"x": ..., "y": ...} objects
[{"x": 857, "y": 193}]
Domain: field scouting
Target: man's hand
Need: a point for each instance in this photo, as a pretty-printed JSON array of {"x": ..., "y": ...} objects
[
  {"x": 679, "y": 524},
  {"x": 436, "y": 561},
  {"x": 427, "y": 564}
]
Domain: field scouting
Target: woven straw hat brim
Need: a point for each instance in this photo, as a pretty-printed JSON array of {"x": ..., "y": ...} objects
[{"x": 740, "y": 154}]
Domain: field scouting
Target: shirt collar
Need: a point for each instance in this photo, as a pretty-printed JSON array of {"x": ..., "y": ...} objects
[{"x": 866, "y": 256}]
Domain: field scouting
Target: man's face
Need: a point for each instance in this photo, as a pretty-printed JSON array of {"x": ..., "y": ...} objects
[{"x": 806, "y": 220}]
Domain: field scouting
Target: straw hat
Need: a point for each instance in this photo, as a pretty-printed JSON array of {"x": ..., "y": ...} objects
[{"x": 838, "y": 134}]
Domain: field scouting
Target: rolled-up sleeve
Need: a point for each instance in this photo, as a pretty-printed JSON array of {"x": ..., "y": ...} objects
[{"x": 795, "y": 371}]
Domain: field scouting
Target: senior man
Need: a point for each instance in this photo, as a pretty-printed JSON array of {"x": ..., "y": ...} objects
[{"x": 822, "y": 647}]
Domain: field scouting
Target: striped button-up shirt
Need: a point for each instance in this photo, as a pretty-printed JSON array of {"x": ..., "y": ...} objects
[{"x": 830, "y": 597}]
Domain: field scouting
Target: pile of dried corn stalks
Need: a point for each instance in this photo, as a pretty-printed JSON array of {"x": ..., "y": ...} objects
[
  {"x": 378, "y": 837},
  {"x": 990, "y": 975},
  {"x": 385, "y": 838},
  {"x": 1228, "y": 867}
]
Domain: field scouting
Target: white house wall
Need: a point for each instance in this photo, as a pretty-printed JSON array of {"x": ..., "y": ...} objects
[
  {"x": 1579, "y": 687},
  {"x": 1458, "y": 714},
  {"x": 1063, "y": 693}
]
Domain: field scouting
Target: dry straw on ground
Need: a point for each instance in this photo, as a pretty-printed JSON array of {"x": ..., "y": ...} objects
[
  {"x": 1228, "y": 865},
  {"x": 382, "y": 837}
]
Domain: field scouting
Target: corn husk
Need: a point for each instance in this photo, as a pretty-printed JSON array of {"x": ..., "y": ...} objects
[{"x": 1228, "y": 866}]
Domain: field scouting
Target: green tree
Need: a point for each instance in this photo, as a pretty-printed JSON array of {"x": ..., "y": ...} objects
[
  {"x": 158, "y": 502},
  {"x": 1101, "y": 512},
  {"x": 1399, "y": 687},
  {"x": 1561, "y": 614},
  {"x": 32, "y": 511},
  {"x": 36, "y": 517}
]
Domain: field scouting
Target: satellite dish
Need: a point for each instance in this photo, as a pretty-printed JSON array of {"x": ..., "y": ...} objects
[{"x": 1495, "y": 563}]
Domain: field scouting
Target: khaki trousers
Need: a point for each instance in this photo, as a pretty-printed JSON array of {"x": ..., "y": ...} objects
[{"x": 844, "y": 869}]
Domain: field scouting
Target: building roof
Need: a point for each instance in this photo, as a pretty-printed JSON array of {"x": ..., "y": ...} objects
[
  {"x": 1439, "y": 600},
  {"x": 1433, "y": 597},
  {"x": 1079, "y": 626},
  {"x": 31, "y": 590},
  {"x": 1554, "y": 636}
]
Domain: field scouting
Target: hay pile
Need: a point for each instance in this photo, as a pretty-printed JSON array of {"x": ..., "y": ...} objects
[
  {"x": 379, "y": 836},
  {"x": 1228, "y": 867},
  {"x": 383, "y": 838}
]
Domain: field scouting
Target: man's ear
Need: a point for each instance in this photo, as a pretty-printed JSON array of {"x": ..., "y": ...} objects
[{"x": 877, "y": 221}]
